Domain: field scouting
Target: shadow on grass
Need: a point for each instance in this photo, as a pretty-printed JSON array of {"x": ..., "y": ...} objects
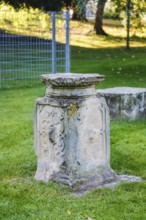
[
  {"x": 6, "y": 37},
  {"x": 132, "y": 38}
]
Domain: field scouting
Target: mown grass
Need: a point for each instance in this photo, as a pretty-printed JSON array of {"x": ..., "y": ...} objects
[
  {"x": 120, "y": 66},
  {"x": 21, "y": 197}
]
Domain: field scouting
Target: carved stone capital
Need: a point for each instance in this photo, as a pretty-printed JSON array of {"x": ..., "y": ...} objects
[{"x": 71, "y": 80}]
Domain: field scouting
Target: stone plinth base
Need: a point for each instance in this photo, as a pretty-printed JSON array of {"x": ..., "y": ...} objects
[
  {"x": 125, "y": 102},
  {"x": 88, "y": 180},
  {"x": 72, "y": 132},
  {"x": 119, "y": 179}
]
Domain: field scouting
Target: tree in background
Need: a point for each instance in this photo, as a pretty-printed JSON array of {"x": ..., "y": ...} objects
[
  {"x": 120, "y": 10},
  {"x": 74, "y": 6},
  {"x": 136, "y": 12},
  {"x": 79, "y": 6},
  {"x": 99, "y": 17}
]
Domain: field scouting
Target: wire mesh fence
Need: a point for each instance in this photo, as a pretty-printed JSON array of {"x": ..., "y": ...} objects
[{"x": 32, "y": 44}]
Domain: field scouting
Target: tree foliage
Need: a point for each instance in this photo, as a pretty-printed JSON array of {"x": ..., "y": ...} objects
[
  {"x": 81, "y": 5},
  {"x": 136, "y": 11},
  {"x": 47, "y": 5}
]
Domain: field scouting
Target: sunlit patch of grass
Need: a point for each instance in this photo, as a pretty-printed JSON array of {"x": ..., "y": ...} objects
[
  {"x": 83, "y": 35},
  {"x": 110, "y": 41},
  {"x": 94, "y": 41}
]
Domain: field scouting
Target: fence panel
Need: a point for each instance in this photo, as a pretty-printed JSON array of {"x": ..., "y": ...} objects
[{"x": 32, "y": 44}]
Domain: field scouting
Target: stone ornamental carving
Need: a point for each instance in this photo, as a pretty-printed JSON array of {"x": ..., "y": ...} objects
[{"x": 72, "y": 132}]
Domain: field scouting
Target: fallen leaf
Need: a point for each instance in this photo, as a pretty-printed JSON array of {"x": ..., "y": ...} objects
[{"x": 68, "y": 212}]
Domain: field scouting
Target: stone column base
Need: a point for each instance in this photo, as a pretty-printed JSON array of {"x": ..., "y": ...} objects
[{"x": 72, "y": 141}]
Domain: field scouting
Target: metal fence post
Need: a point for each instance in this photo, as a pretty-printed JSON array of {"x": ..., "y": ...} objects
[
  {"x": 53, "y": 42},
  {"x": 67, "y": 45},
  {"x": 128, "y": 10},
  {"x": 0, "y": 77}
]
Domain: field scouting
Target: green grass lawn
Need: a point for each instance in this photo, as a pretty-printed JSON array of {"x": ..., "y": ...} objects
[
  {"x": 23, "y": 198},
  {"x": 120, "y": 66}
]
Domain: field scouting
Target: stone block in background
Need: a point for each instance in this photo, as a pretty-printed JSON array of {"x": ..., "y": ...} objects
[{"x": 125, "y": 102}]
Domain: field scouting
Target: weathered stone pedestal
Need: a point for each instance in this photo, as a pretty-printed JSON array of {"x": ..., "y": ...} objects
[
  {"x": 72, "y": 132},
  {"x": 125, "y": 102}
]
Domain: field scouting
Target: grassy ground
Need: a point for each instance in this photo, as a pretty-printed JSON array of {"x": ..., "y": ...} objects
[{"x": 21, "y": 197}]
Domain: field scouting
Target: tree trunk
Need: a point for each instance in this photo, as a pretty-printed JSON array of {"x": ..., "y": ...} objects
[
  {"x": 75, "y": 16},
  {"x": 99, "y": 17}
]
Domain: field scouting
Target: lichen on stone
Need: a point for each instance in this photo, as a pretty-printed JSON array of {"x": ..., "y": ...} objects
[{"x": 72, "y": 109}]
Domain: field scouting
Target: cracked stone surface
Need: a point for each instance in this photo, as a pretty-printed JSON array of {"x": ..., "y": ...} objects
[{"x": 72, "y": 80}]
